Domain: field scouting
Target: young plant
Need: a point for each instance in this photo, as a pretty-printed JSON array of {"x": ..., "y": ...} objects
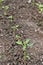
[
  {"x": 1, "y": 1},
  {"x": 15, "y": 27},
  {"x": 5, "y": 9},
  {"x": 18, "y": 37},
  {"x": 40, "y": 7},
  {"x": 10, "y": 17},
  {"x": 24, "y": 45}
]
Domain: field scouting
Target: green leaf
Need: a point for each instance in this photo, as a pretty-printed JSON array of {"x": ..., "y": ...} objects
[
  {"x": 40, "y": 7},
  {"x": 10, "y": 17},
  {"x": 19, "y": 42},
  {"x": 5, "y": 13},
  {"x": 17, "y": 36},
  {"x": 26, "y": 41},
  {"x": 5, "y": 7},
  {"x": 13, "y": 27},
  {"x": 1, "y": 1},
  {"x": 30, "y": 45},
  {"x": 17, "y": 26},
  {"x": 28, "y": 56},
  {"x": 24, "y": 47}
]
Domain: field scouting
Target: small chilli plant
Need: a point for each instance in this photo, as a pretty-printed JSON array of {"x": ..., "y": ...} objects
[{"x": 24, "y": 45}]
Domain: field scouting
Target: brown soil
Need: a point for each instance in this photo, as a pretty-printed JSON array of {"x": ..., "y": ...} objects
[{"x": 27, "y": 17}]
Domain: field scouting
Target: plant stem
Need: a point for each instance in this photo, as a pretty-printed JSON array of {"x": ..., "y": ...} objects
[
  {"x": 24, "y": 55},
  {"x": 33, "y": 3}
]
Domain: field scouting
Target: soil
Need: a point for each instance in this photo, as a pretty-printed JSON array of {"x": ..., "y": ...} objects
[{"x": 30, "y": 23}]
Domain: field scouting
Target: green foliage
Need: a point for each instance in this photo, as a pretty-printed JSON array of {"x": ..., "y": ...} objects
[
  {"x": 26, "y": 41},
  {"x": 5, "y": 9},
  {"x": 30, "y": 45},
  {"x": 24, "y": 45},
  {"x": 1, "y": 1},
  {"x": 10, "y": 17},
  {"x": 15, "y": 27},
  {"x": 19, "y": 42},
  {"x": 18, "y": 37},
  {"x": 27, "y": 56},
  {"x": 40, "y": 7}
]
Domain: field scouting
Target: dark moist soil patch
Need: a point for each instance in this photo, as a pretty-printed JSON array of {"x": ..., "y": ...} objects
[{"x": 27, "y": 17}]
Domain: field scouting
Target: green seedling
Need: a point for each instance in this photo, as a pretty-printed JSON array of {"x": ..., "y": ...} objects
[
  {"x": 10, "y": 17},
  {"x": 18, "y": 37},
  {"x": 1, "y": 1},
  {"x": 15, "y": 27},
  {"x": 40, "y": 7},
  {"x": 24, "y": 45},
  {"x": 5, "y": 9}
]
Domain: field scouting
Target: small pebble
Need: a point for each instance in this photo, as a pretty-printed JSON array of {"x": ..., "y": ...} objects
[
  {"x": 1, "y": 35},
  {"x": 0, "y": 46},
  {"x": 35, "y": 30},
  {"x": 21, "y": 31},
  {"x": 40, "y": 59},
  {"x": 8, "y": 64},
  {"x": 29, "y": 1},
  {"x": 42, "y": 62}
]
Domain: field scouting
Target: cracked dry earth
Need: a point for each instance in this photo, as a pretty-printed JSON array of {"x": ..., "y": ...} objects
[{"x": 27, "y": 17}]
